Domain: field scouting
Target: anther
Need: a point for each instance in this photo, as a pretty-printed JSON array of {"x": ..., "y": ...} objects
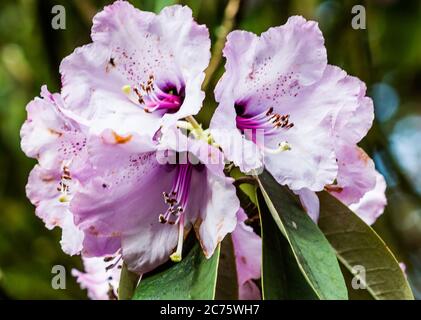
[{"x": 282, "y": 147}]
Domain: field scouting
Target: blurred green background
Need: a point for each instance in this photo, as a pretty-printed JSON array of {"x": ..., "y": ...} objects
[{"x": 387, "y": 55}]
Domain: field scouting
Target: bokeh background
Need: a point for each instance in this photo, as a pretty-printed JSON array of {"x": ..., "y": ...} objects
[{"x": 387, "y": 55}]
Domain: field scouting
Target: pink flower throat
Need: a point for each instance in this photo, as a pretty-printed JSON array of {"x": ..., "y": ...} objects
[
  {"x": 267, "y": 120},
  {"x": 154, "y": 99}
]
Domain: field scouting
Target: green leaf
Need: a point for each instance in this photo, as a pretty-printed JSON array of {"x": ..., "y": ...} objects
[
  {"x": 193, "y": 278},
  {"x": 195, "y": 5},
  {"x": 281, "y": 276},
  {"x": 227, "y": 284},
  {"x": 161, "y": 4},
  {"x": 248, "y": 190},
  {"x": 246, "y": 193},
  {"x": 128, "y": 282},
  {"x": 357, "y": 244},
  {"x": 313, "y": 253},
  {"x": 352, "y": 293}
]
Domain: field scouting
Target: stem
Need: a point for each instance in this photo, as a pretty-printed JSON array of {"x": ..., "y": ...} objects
[
  {"x": 128, "y": 283},
  {"x": 246, "y": 179},
  {"x": 194, "y": 123},
  {"x": 231, "y": 11}
]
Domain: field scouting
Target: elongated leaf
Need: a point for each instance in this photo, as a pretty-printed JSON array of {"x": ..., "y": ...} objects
[
  {"x": 191, "y": 279},
  {"x": 352, "y": 293},
  {"x": 249, "y": 190},
  {"x": 281, "y": 276},
  {"x": 227, "y": 284},
  {"x": 314, "y": 255},
  {"x": 357, "y": 244}
]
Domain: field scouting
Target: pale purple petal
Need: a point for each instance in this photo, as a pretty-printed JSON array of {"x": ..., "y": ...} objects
[
  {"x": 125, "y": 201},
  {"x": 53, "y": 135},
  {"x": 72, "y": 238},
  {"x": 311, "y": 161},
  {"x": 190, "y": 150},
  {"x": 356, "y": 175},
  {"x": 101, "y": 284},
  {"x": 108, "y": 203},
  {"x": 42, "y": 192},
  {"x": 95, "y": 245},
  {"x": 48, "y": 134},
  {"x": 248, "y": 257},
  {"x": 337, "y": 97},
  {"x": 217, "y": 213},
  {"x": 249, "y": 291},
  {"x": 354, "y": 111},
  {"x": 150, "y": 246},
  {"x": 244, "y": 153},
  {"x": 278, "y": 75},
  {"x": 294, "y": 50},
  {"x": 216, "y": 204},
  {"x": 403, "y": 268},
  {"x": 310, "y": 202},
  {"x": 131, "y": 46},
  {"x": 95, "y": 93},
  {"x": 372, "y": 204}
]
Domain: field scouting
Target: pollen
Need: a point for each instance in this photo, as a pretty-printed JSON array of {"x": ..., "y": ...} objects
[
  {"x": 282, "y": 147},
  {"x": 285, "y": 146},
  {"x": 175, "y": 257},
  {"x": 63, "y": 198},
  {"x": 126, "y": 89}
]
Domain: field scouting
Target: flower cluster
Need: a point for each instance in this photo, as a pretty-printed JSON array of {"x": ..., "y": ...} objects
[{"x": 126, "y": 172}]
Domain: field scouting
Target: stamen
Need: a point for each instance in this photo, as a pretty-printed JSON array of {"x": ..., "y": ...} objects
[
  {"x": 177, "y": 198},
  {"x": 177, "y": 201},
  {"x": 63, "y": 187},
  {"x": 177, "y": 255},
  {"x": 268, "y": 121},
  {"x": 114, "y": 264},
  {"x": 269, "y": 124}
]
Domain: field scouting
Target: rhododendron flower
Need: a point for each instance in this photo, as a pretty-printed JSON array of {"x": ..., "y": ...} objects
[
  {"x": 352, "y": 118},
  {"x": 141, "y": 72},
  {"x": 311, "y": 115},
  {"x": 279, "y": 85},
  {"x": 101, "y": 277},
  {"x": 59, "y": 144},
  {"x": 274, "y": 86},
  {"x": 148, "y": 204},
  {"x": 248, "y": 258}
]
